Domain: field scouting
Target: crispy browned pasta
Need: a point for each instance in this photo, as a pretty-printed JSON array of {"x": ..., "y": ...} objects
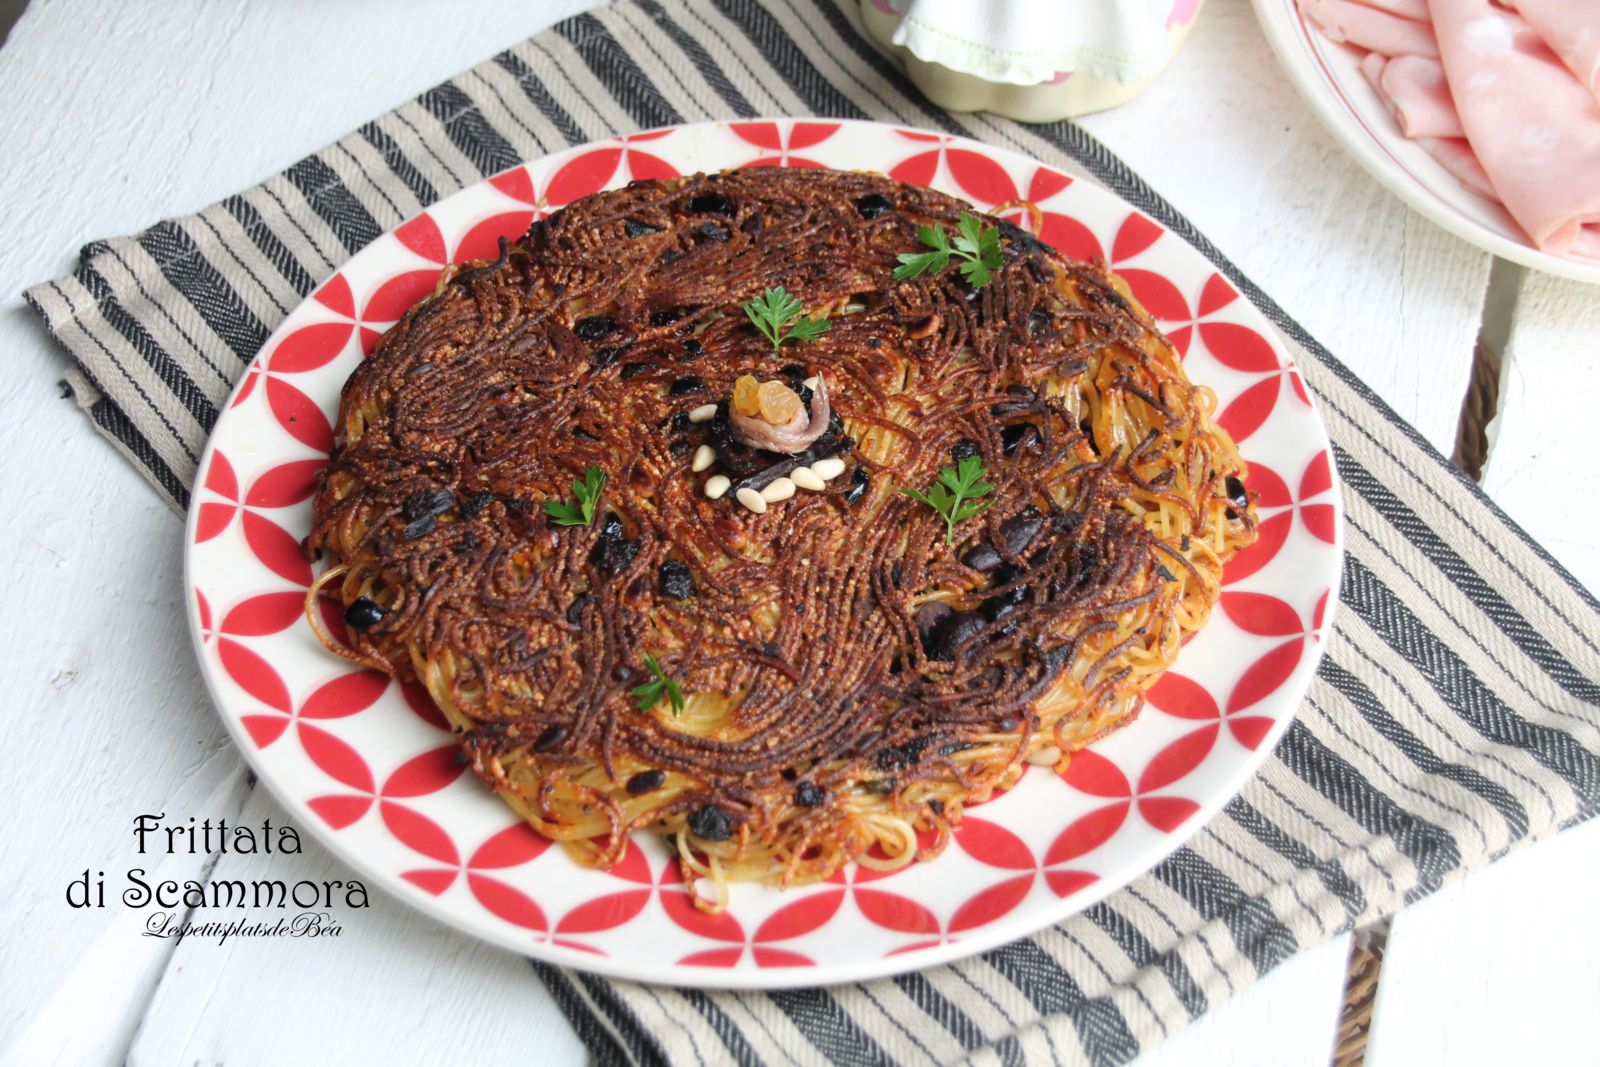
[{"x": 851, "y": 679}]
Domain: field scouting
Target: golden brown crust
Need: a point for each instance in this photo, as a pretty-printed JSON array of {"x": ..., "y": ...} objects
[{"x": 828, "y": 698}]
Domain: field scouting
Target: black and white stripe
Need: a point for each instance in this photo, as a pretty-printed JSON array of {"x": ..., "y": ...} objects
[{"x": 1456, "y": 714}]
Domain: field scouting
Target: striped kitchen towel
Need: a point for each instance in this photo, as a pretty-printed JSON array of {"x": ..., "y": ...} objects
[{"x": 1456, "y": 713}]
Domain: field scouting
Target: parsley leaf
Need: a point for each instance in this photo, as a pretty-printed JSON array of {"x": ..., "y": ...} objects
[
  {"x": 649, "y": 694},
  {"x": 954, "y": 494},
  {"x": 587, "y": 490},
  {"x": 772, "y": 311},
  {"x": 977, "y": 246},
  {"x": 914, "y": 263}
]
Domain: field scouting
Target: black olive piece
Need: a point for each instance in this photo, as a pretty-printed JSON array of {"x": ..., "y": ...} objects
[
  {"x": 474, "y": 505},
  {"x": 981, "y": 557},
  {"x": 1003, "y": 604},
  {"x": 629, "y": 370},
  {"x": 771, "y": 648},
  {"x": 1233, "y": 516},
  {"x": 692, "y": 347},
  {"x": 936, "y": 805},
  {"x": 929, "y": 618},
  {"x": 575, "y": 609},
  {"x": 521, "y": 507},
  {"x": 1070, "y": 368},
  {"x": 550, "y": 737},
  {"x": 679, "y": 422},
  {"x": 712, "y": 231},
  {"x": 1005, "y": 574},
  {"x": 429, "y": 502},
  {"x": 956, "y": 631},
  {"x": 645, "y": 782},
  {"x": 859, "y": 481},
  {"x": 620, "y": 673},
  {"x": 611, "y": 527},
  {"x": 667, "y": 316},
  {"x": 420, "y": 369},
  {"x": 669, "y": 255},
  {"x": 1018, "y": 436},
  {"x": 809, "y": 794},
  {"x": 966, "y": 448},
  {"x": 613, "y": 557},
  {"x": 1236, "y": 493},
  {"x": 1022, "y": 239},
  {"x": 677, "y": 581},
  {"x": 363, "y": 614},
  {"x": 1007, "y": 724},
  {"x": 1019, "y": 531},
  {"x": 710, "y": 824},
  {"x": 679, "y": 447},
  {"x": 604, "y": 357},
  {"x": 788, "y": 774},
  {"x": 879, "y": 787},
  {"x": 689, "y": 384},
  {"x": 794, "y": 372},
  {"x": 635, "y": 228},
  {"x": 1166, "y": 574},
  {"x": 873, "y": 342},
  {"x": 873, "y": 205},
  {"x": 710, "y": 204},
  {"x": 595, "y": 327},
  {"x": 1183, "y": 543},
  {"x": 1038, "y": 319},
  {"x": 421, "y": 527}
]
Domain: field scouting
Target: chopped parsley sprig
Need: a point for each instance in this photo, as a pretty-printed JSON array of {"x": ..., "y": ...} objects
[
  {"x": 771, "y": 313},
  {"x": 649, "y": 694},
  {"x": 587, "y": 490},
  {"x": 954, "y": 495},
  {"x": 976, "y": 245}
]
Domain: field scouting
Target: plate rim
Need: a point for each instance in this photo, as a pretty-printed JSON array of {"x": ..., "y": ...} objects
[
  {"x": 1279, "y": 21},
  {"x": 1001, "y": 932}
]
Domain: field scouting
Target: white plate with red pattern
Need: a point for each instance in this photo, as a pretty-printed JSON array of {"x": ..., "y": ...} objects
[
  {"x": 1328, "y": 76},
  {"x": 368, "y": 765}
]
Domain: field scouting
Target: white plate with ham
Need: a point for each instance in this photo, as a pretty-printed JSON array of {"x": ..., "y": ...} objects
[{"x": 1464, "y": 111}]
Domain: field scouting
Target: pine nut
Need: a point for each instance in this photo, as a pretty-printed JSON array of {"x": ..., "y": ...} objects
[
  {"x": 716, "y": 485},
  {"x": 1045, "y": 757},
  {"x": 828, "y": 469},
  {"x": 704, "y": 456},
  {"x": 778, "y": 489},
  {"x": 806, "y": 478},
  {"x": 752, "y": 500},
  {"x": 703, "y": 413}
]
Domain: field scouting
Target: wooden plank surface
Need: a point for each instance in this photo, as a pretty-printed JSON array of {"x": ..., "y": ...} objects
[{"x": 1539, "y": 467}]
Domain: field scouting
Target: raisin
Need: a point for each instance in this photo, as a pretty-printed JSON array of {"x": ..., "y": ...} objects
[
  {"x": 595, "y": 327},
  {"x": 645, "y": 782}
]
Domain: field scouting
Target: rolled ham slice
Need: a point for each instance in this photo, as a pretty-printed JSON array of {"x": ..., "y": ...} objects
[
  {"x": 1370, "y": 28},
  {"x": 1416, "y": 87},
  {"x": 1533, "y": 126},
  {"x": 1454, "y": 154},
  {"x": 1415, "y": 10},
  {"x": 1572, "y": 30}
]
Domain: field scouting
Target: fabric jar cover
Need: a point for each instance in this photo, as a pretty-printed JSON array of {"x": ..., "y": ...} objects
[
  {"x": 1456, "y": 713},
  {"x": 1029, "y": 59}
]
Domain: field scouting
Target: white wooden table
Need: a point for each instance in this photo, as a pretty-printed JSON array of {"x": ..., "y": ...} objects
[{"x": 114, "y": 113}]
